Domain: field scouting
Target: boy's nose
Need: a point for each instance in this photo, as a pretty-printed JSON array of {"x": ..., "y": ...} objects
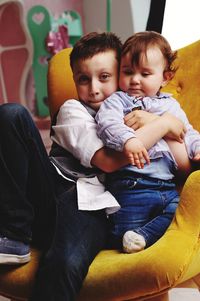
[{"x": 94, "y": 88}]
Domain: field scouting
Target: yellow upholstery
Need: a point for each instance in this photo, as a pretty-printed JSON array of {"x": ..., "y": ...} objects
[
  {"x": 185, "y": 86},
  {"x": 175, "y": 258}
]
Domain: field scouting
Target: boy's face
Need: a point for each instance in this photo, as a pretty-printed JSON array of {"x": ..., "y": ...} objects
[
  {"x": 145, "y": 79},
  {"x": 96, "y": 78}
]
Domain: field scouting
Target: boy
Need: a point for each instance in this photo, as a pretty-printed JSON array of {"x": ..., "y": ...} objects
[{"x": 146, "y": 191}]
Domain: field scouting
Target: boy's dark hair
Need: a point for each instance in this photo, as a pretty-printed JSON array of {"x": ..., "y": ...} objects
[
  {"x": 94, "y": 43},
  {"x": 138, "y": 44}
]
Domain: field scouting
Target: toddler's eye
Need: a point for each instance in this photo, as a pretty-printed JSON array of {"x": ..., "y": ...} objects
[
  {"x": 145, "y": 74},
  {"x": 128, "y": 72}
]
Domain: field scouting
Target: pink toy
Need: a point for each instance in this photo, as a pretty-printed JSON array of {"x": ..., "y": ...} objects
[{"x": 57, "y": 41}]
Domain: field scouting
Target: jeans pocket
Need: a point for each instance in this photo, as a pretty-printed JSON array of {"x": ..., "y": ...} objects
[{"x": 122, "y": 184}]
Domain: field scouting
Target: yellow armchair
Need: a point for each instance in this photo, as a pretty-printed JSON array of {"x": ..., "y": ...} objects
[{"x": 175, "y": 259}]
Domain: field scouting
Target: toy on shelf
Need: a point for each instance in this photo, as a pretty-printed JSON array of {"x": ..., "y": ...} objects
[
  {"x": 57, "y": 40},
  {"x": 50, "y": 34},
  {"x": 15, "y": 52},
  {"x": 72, "y": 21}
]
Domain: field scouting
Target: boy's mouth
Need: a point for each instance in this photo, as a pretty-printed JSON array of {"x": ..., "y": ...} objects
[{"x": 95, "y": 101}]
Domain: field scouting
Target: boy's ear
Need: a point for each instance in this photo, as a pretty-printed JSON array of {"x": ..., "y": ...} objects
[{"x": 167, "y": 76}]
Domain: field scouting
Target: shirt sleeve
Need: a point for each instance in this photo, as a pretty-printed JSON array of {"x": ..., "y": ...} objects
[
  {"x": 110, "y": 123},
  {"x": 75, "y": 131}
]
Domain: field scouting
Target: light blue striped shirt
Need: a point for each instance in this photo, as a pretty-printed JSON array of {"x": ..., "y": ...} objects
[{"x": 114, "y": 133}]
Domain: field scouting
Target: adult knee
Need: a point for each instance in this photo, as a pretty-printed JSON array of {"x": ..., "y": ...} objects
[{"x": 10, "y": 111}]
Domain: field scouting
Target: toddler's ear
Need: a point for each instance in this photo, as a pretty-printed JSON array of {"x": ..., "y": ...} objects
[{"x": 167, "y": 76}]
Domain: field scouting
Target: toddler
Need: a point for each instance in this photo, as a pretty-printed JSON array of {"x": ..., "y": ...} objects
[{"x": 146, "y": 192}]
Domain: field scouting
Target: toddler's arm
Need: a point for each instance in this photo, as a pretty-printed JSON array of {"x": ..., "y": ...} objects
[{"x": 174, "y": 138}]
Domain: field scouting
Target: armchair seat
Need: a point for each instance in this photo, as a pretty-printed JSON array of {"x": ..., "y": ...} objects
[{"x": 172, "y": 261}]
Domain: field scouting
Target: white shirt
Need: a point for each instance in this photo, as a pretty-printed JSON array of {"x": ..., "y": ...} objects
[{"x": 75, "y": 131}]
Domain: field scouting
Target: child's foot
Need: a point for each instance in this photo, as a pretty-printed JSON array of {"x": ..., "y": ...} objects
[
  {"x": 133, "y": 242},
  {"x": 13, "y": 251}
]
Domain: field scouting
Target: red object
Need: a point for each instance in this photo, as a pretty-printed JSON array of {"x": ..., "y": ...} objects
[{"x": 15, "y": 53}]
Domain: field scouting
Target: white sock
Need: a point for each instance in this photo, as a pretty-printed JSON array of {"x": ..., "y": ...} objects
[{"x": 133, "y": 242}]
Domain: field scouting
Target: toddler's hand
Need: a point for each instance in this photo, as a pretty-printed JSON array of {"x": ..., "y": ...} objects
[
  {"x": 136, "y": 152},
  {"x": 196, "y": 157}
]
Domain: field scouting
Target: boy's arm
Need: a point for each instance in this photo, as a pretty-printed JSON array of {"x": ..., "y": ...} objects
[{"x": 75, "y": 131}]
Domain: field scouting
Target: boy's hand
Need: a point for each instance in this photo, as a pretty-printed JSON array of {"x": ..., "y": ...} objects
[{"x": 136, "y": 153}]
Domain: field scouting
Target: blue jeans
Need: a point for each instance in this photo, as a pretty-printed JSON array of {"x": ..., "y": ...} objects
[
  {"x": 39, "y": 206},
  {"x": 147, "y": 206}
]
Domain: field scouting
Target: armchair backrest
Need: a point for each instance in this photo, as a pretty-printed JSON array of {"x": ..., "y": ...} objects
[
  {"x": 185, "y": 86},
  {"x": 60, "y": 81}
]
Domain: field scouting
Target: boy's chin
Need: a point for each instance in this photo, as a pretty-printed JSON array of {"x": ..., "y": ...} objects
[{"x": 95, "y": 105}]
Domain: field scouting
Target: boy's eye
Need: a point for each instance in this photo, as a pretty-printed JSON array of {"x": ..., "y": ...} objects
[
  {"x": 83, "y": 79},
  {"x": 104, "y": 77}
]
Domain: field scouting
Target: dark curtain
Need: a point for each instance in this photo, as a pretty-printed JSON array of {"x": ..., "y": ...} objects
[{"x": 156, "y": 14}]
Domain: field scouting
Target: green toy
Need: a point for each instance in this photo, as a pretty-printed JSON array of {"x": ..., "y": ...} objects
[{"x": 39, "y": 24}]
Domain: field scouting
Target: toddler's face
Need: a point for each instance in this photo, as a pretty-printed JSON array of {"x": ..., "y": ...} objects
[
  {"x": 145, "y": 79},
  {"x": 96, "y": 78}
]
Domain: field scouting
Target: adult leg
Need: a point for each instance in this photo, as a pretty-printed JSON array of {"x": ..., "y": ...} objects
[
  {"x": 79, "y": 236},
  {"x": 27, "y": 198}
]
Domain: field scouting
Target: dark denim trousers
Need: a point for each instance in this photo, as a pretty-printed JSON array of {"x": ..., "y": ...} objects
[
  {"x": 39, "y": 206},
  {"x": 147, "y": 206}
]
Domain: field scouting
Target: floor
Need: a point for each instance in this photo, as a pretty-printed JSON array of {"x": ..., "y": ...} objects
[
  {"x": 184, "y": 294},
  {"x": 177, "y": 294}
]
